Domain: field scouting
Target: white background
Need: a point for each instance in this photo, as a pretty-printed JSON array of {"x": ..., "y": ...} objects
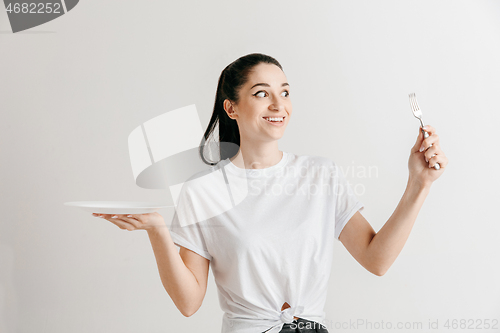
[{"x": 71, "y": 91}]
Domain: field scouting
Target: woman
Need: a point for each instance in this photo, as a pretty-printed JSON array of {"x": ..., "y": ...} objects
[{"x": 271, "y": 252}]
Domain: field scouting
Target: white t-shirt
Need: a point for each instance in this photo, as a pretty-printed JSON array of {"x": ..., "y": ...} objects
[{"x": 268, "y": 234}]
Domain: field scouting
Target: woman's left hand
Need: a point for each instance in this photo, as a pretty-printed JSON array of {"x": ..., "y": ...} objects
[{"x": 421, "y": 163}]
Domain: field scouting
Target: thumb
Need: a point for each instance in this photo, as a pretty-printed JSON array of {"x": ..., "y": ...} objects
[{"x": 418, "y": 143}]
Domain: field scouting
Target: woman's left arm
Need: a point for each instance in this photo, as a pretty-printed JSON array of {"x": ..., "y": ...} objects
[{"x": 378, "y": 251}]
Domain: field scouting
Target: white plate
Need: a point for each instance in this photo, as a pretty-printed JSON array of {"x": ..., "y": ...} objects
[{"x": 118, "y": 207}]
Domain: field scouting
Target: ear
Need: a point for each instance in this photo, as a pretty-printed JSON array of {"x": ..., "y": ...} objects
[{"x": 228, "y": 107}]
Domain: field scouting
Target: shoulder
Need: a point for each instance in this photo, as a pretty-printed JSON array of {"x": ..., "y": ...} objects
[{"x": 202, "y": 181}]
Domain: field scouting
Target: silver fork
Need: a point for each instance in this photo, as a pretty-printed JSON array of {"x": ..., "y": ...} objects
[{"x": 418, "y": 114}]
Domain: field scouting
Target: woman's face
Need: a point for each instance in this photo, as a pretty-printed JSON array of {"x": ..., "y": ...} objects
[{"x": 264, "y": 96}]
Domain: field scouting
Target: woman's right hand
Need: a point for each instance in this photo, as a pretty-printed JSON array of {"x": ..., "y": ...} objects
[{"x": 149, "y": 221}]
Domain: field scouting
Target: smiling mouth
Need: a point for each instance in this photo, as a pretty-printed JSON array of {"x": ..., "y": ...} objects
[{"x": 274, "y": 121}]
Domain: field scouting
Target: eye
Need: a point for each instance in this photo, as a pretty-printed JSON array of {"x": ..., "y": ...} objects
[{"x": 261, "y": 91}]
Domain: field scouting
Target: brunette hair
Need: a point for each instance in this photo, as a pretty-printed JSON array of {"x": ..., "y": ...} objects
[{"x": 232, "y": 78}]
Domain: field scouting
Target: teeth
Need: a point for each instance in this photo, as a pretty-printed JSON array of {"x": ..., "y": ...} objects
[{"x": 274, "y": 119}]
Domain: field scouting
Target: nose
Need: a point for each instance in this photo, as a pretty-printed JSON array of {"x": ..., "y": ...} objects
[{"x": 277, "y": 104}]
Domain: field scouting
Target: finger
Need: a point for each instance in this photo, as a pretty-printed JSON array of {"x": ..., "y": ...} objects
[
  {"x": 429, "y": 129},
  {"x": 439, "y": 158},
  {"x": 117, "y": 222},
  {"x": 429, "y": 153},
  {"x": 130, "y": 219},
  {"x": 123, "y": 225},
  {"x": 142, "y": 218},
  {"x": 432, "y": 140},
  {"x": 137, "y": 217},
  {"x": 434, "y": 160},
  {"x": 435, "y": 148},
  {"x": 102, "y": 216},
  {"x": 418, "y": 143}
]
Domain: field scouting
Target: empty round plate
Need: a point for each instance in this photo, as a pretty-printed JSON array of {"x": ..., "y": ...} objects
[{"x": 118, "y": 207}]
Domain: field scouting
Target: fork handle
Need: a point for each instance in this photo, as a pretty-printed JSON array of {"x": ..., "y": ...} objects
[{"x": 426, "y": 135}]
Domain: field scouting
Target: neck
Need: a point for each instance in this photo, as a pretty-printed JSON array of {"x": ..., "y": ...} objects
[{"x": 257, "y": 157}]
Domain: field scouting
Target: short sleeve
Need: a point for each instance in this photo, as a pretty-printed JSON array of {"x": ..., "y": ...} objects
[
  {"x": 346, "y": 202},
  {"x": 189, "y": 236},
  {"x": 185, "y": 230}
]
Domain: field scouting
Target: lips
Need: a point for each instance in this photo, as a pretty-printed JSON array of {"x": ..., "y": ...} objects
[
  {"x": 275, "y": 123},
  {"x": 275, "y": 117}
]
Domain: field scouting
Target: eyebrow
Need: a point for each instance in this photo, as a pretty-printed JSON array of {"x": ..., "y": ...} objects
[{"x": 267, "y": 85}]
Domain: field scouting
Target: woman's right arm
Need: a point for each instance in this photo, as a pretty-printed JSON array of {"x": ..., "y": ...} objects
[{"x": 184, "y": 274}]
